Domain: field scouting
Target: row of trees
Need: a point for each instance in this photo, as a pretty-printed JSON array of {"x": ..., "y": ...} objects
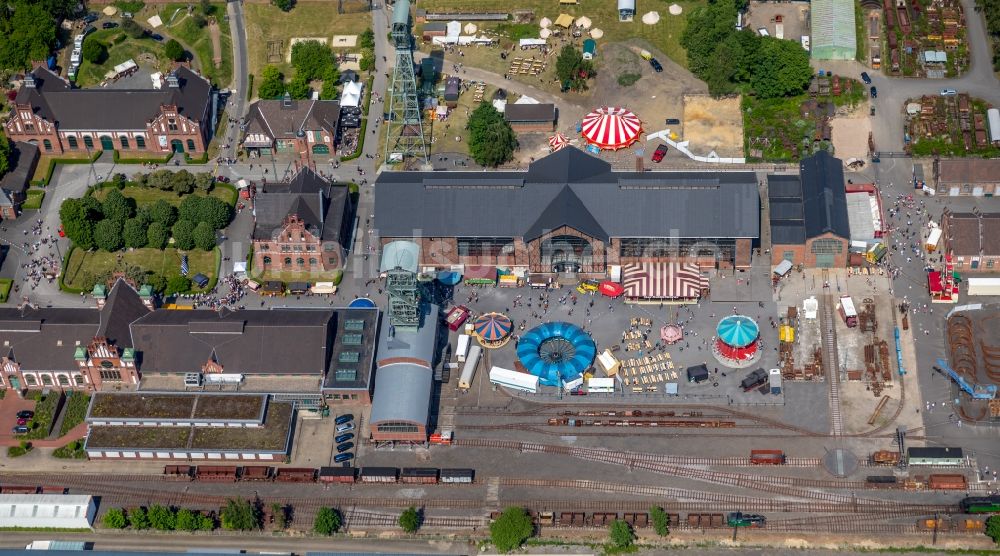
[
  {"x": 514, "y": 526},
  {"x": 312, "y": 61},
  {"x": 991, "y": 13},
  {"x": 161, "y": 518},
  {"x": 732, "y": 61},
  {"x": 491, "y": 139},
  {"x": 28, "y": 31},
  {"x": 117, "y": 222}
]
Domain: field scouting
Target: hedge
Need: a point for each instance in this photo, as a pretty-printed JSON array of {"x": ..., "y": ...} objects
[
  {"x": 34, "y": 200},
  {"x": 143, "y": 160},
  {"x": 5, "y": 285},
  {"x": 54, "y": 161},
  {"x": 200, "y": 160},
  {"x": 249, "y": 87},
  {"x": 62, "y": 275}
]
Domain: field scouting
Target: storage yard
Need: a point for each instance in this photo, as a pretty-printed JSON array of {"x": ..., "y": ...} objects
[
  {"x": 949, "y": 125},
  {"x": 925, "y": 40}
]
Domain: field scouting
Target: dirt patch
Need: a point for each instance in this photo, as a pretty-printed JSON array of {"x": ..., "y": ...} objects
[
  {"x": 850, "y": 136},
  {"x": 216, "y": 35},
  {"x": 711, "y": 124}
]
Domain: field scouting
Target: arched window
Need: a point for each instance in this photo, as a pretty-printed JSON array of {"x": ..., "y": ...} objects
[
  {"x": 300, "y": 261},
  {"x": 267, "y": 260},
  {"x": 47, "y": 144},
  {"x": 72, "y": 142},
  {"x": 288, "y": 260},
  {"x": 191, "y": 147},
  {"x": 312, "y": 261},
  {"x": 124, "y": 141},
  {"x": 63, "y": 380},
  {"x": 46, "y": 380},
  {"x": 30, "y": 380},
  {"x": 78, "y": 379},
  {"x": 88, "y": 141},
  {"x": 140, "y": 142}
]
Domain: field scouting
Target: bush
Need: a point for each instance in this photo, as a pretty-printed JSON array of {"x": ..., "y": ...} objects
[
  {"x": 94, "y": 51},
  {"x": 661, "y": 521},
  {"x": 162, "y": 518},
  {"x": 138, "y": 519},
  {"x": 186, "y": 520},
  {"x": 174, "y": 50},
  {"x": 628, "y": 79},
  {"x": 178, "y": 284},
  {"x": 74, "y": 412},
  {"x": 73, "y": 450},
  {"x": 409, "y": 520},
  {"x": 327, "y": 521},
  {"x": 511, "y": 529},
  {"x": 18, "y": 451},
  {"x": 621, "y": 535},
  {"x": 114, "y": 519},
  {"x": 284, "y": 5},
  {"x": 240, "y": 515}
]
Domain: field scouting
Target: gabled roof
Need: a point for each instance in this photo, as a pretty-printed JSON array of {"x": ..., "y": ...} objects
[
  {"x": 566, "y": 210},
  {"x": 320, "y": 204},
  {"x": 569, "y": 165},
  {"x": 112, "y": 109},
  {"x": 283, "y": 119},
  {"x": 529, "y": 112},
  {"x": 122, "y": 307},
  {"x": 23, "y": 159},
  {"x": 824, "y": 196}
]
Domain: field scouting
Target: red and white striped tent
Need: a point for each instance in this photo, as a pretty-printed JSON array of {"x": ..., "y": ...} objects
[
  {"x": 611, "y": 128},
  {"x": 557, "y": 142},
  {"x": 659, "y": 281}
]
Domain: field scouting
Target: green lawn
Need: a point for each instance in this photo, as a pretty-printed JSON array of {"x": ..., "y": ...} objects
[
  {"x": 199, "y": 42},
  {"x": 73, "y": 450},
  {"x": 91, "y": 74},
  {"x": 5, "y": 285},
  {"x": 84, "y": 267},
  {"x": 45, "y": 412},
  {"x": 34, "y": 200},
  {"x": 148, "y": 195},
  {"x": 665, "y": 35},
  {"x": 267, "y": 23},
  {"x": 74, "y": 411}
]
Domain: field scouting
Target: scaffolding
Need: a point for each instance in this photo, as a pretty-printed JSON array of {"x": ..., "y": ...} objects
[
  {"x": 404, "y": 125},
  {"x": 404, "y": 299}
]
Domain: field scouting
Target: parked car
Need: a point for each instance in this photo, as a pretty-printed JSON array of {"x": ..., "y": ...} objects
[
  {"x": 866, "y": 78},
  {"x": 20, "y": 429},
  {"x": 873, "y": 91},
  {"x": 340, "y": 458},
  {"x": 90, "y": 18},
  {"x": 156, "y": 37},
  {"x": 344, "y": 437},
  {"x": 345, "y": 418},
  {"x": 659, "y": 153},
  {"x": 948, "y": 92},
  {"x": 578, "y": 392},
  {"x": 656, "y": 65},
  {"x": 344, "y": 447},
  {"x": 673, "y": 121},
  {"x": 345, "y": 427},
  {"x": 25, "y": 414},
  {"x": 223, "y": 179},
  {"x": 109, "y": 25},
  {"x": 127, "y": 15},
  {"x": 22, "y": 421}
]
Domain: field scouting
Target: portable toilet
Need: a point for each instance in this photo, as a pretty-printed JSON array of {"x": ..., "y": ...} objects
[
  {"x": 774, "y": 380},
  {"x": 589, "y": 49}
]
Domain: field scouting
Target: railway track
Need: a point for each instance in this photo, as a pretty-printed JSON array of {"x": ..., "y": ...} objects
[{"x": 831, "y": 362}]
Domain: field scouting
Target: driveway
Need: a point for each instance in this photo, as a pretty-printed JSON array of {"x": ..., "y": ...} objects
[{"x": 9, "y": 406}]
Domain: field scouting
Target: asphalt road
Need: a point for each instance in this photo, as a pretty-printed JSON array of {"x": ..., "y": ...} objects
[{"x": 238, "y": 100}]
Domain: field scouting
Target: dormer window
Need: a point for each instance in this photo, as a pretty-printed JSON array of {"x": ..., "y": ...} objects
[{"x": 172, "y": 124}]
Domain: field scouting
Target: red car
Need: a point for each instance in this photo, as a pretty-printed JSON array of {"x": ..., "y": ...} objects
[
  {"x": 61, "y": 232},
  {"x": 22, "y": 421},
  {"x": 659, "y": 153}
]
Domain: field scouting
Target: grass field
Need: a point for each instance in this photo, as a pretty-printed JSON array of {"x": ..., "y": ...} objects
[
  {"x": 34, "y": 200},
  {"x": 5, "y": 285},
  {"x": 149, "y": 195},
  {"x": 91, "y": 74},
  {"x": 83, "y": 267},
  {"x": 665, "y": 35},
  {"x": 199, "y": 42},
  {"x": 307, "y": 19}
]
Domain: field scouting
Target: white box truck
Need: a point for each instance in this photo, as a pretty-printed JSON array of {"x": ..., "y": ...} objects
[
  {"x": 463, "y": 347},
  {"x": 469, "y": 371}
]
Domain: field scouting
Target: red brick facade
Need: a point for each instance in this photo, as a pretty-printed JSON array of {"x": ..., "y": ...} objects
[
  {"x": 99, "y": 365},
  {"x": 809, "y": 254},
  {"x": 296, "y": 249}
]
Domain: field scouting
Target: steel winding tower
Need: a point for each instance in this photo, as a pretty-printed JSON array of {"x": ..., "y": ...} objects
[{"x": 404, "y": 128}]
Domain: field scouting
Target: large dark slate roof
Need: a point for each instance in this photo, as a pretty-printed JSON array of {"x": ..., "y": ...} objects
[
  {"x": 23, "y": 159},
  {"x": 320, "y": 204},
  {"x": 112, "y": 109},
  {"x": 824, "y": 196},
  {"x": 568, "y": 188},
  {"x": 281, "y": 341},
  {"x": 281, "y": 119},
  {"x": 121, "y": 308}
]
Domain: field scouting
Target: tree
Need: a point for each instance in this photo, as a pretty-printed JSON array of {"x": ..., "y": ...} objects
[
  {"x": 108, "y": 235},
  {"x": 327, "y": 521},
  {"x": 117, "y": 206},
  {"x": 183, "y": 232},
  {"x": 206, "y": 522},
  {"x": 94, "y": 51},
  {"x": 203, "y": 181},
  {"x": 27, "y": 31},
  {"x": 298, "y": 88},
  {"x": 162, "y": 518},
  {"x": 707, "y": 27},
  {"x": 240, "y": 515},
  {"x": 190, "y": 208},
  {"x": 993, "y": 528},
  {"x": 157, "y": 236},
  {"x": 5, "y": 151},
  {"x": 367, "y": 39},
  {"x": 311, "y": 59},
  {"x": 136, "y": 233},
  {"x": 182, "y": 182},
  {"x": 661, "y": 521},
  {"x": 163, "y": 212},
  {"x": 199, "y": 20},
  {"x": 491, "y": 141},
  {"x": 409, "y": 520},
  {"x": 119, "y": 180},
  {"x": 621, "y": 534},
  {"x": 284, "y": 5},
  {"x": 780, "y": 70},
  {"x": 132, "y": 29},
  {"x": 77, "y": 217},
  {"x": 329, "y": 89},
  {"x": 367, "y": 62},
  {"x": 272, "y": 83},
  {"x": 174, "y": 50},
  {"x": 572, "y": 69},
  {"x": 511, "y": 529},
  {"x": 161, "y": 179},
  {"x": 157, "y": 282},
  {"x": 114, "y": 519},
  {"x": 204, "y": 236},
  {"x": 215, "y": 211},
  {"x": 137, "y": 518},
  {"x": 178, "y": 284},
  {"x": 280, "y": 514},
  {"x": 186, "y": 520}
]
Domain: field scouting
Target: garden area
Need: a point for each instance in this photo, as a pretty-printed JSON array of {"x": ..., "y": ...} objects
[
  {"x": 5, "y": 285},
  {"x": 117, "y": 48},
  {"x": 125, "y": 406},
  {"x": 46, "y": 408},
  {"x": 194, "y": 30},
  {"x": 143, "y": 227},
  {"x": 74, "y": 411},
  {"x": 34, "y": 199}
]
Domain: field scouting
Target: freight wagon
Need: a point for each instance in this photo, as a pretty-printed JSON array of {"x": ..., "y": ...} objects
[
  {"x": 881, "y": 481},
  {"x": 178, "y": 472},
  {"x": 706, "y": 521},
  {"x": 637, "y": 520},
  {"x": 379, "y": 474},
  {"x": 337, "y": 474},
  {"x": 257, "y": 473},
  {"x": 250, "y": 473},
  {"x": 767, "y": 457},
  {"x": 419, "y": 475},
  {"x": 457, "y": 476},
  {"x": 947, "y": 482},
  {"x": 980, "y": 504},
  {"x": 953, "y": 524},
  {"x": 296, "y": 475},
  {"x": 740, "y": 519},
  {"x": 217, "y": 473},
  {"x": 573, "y": 519},
  {"x": 885, "y": 457}
]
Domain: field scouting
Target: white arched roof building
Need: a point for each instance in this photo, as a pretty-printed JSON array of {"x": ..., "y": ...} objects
[{"x": 57, "y": 511}]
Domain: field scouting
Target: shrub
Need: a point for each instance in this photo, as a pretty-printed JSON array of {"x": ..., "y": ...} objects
[
  {"x": 327, "y": 521},
  {"x": 174, "y": 50},
  {"x": 138, "y": 519},
  {"x": 628, "y": 79},
  {"x": 661, "y": 521},
  {"x": 621, "y": 535},
  {"x": 240, "y": 515},
  {"x": 409, "y": 520},
  {"x": 511, "y": 529},
  {"x": 114, "y": 519}
]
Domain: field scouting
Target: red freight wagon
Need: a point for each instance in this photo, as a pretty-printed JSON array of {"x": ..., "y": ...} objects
[
  {"x": 767, "y": 457},
  {"x": 947, "y": 482},
  {"x": 257, "y": 473},
  {"x": 296, "y": 475},
  {"x": 178, "y": 472},
  {"x": 337, "y": 474},
  {"x": 217, "y": 473}
]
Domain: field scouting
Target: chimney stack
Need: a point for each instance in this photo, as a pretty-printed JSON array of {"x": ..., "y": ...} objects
[{"x": 639, "y": 163}]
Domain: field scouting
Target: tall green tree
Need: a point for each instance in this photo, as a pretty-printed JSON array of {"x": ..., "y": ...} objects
[
  {"x": 782, "y": 68},
  {"x": 240, "y": 514},
  {"x": 327, "y": 521},
  {"x": 511, "y": 529},
  {"x": 186, "y": 520},
  {"x": 183, "y": 232},
  {"x": 707, "y": 27},
  {"x": 94, "y": 51},
  {"x": 138, "y": 519},
  {"x": 572, "y": 69},
  {"x": 162, "y": 518},
  {"x": 491, "y": 139},
  {"x": 174, "y": 50},
  {"x": 182, "y": 182},
  {"x": 114, "y": 518},
  {"x": 620, "y": 534},
  {"x": 203, "y": 181},
  {"x": 6, "y": 147},
  {"x": 27, "y": 32},
  {"x": 272, "y": 83},
  {"x": 661, "y": 521},
  {"x": 117, "y": 206},
  {"x": 409, "y": 520},
  {"x": 108, "y": 235},
  {"x": 216, "y": 212},
  {"x": 367, "y": 39},
  {"x": 136, "y": 232},
  {"x": 298, "y": 88},
  {"x": 182, "y": 284},
  {"x": 132, "y": 29},
  {"x": 311, "y": 59},
  {"x": 163, "y": 212},
  {"x": 203, "y": 236},
  {"x": 77, "y": 217},
  {"x": 329, "y": 89}
]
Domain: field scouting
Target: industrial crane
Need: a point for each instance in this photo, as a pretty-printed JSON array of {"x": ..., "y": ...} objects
[{"x": 977, "y": 391}]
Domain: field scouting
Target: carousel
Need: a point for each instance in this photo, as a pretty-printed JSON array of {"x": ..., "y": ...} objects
[
  {"x": 557, "y": 142},
  {"x": 671, "y": 334},
  {"x": 737, "y": 341},
  {"x": 492, "y": 330},
  {"x": 611, "y": 128}
]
